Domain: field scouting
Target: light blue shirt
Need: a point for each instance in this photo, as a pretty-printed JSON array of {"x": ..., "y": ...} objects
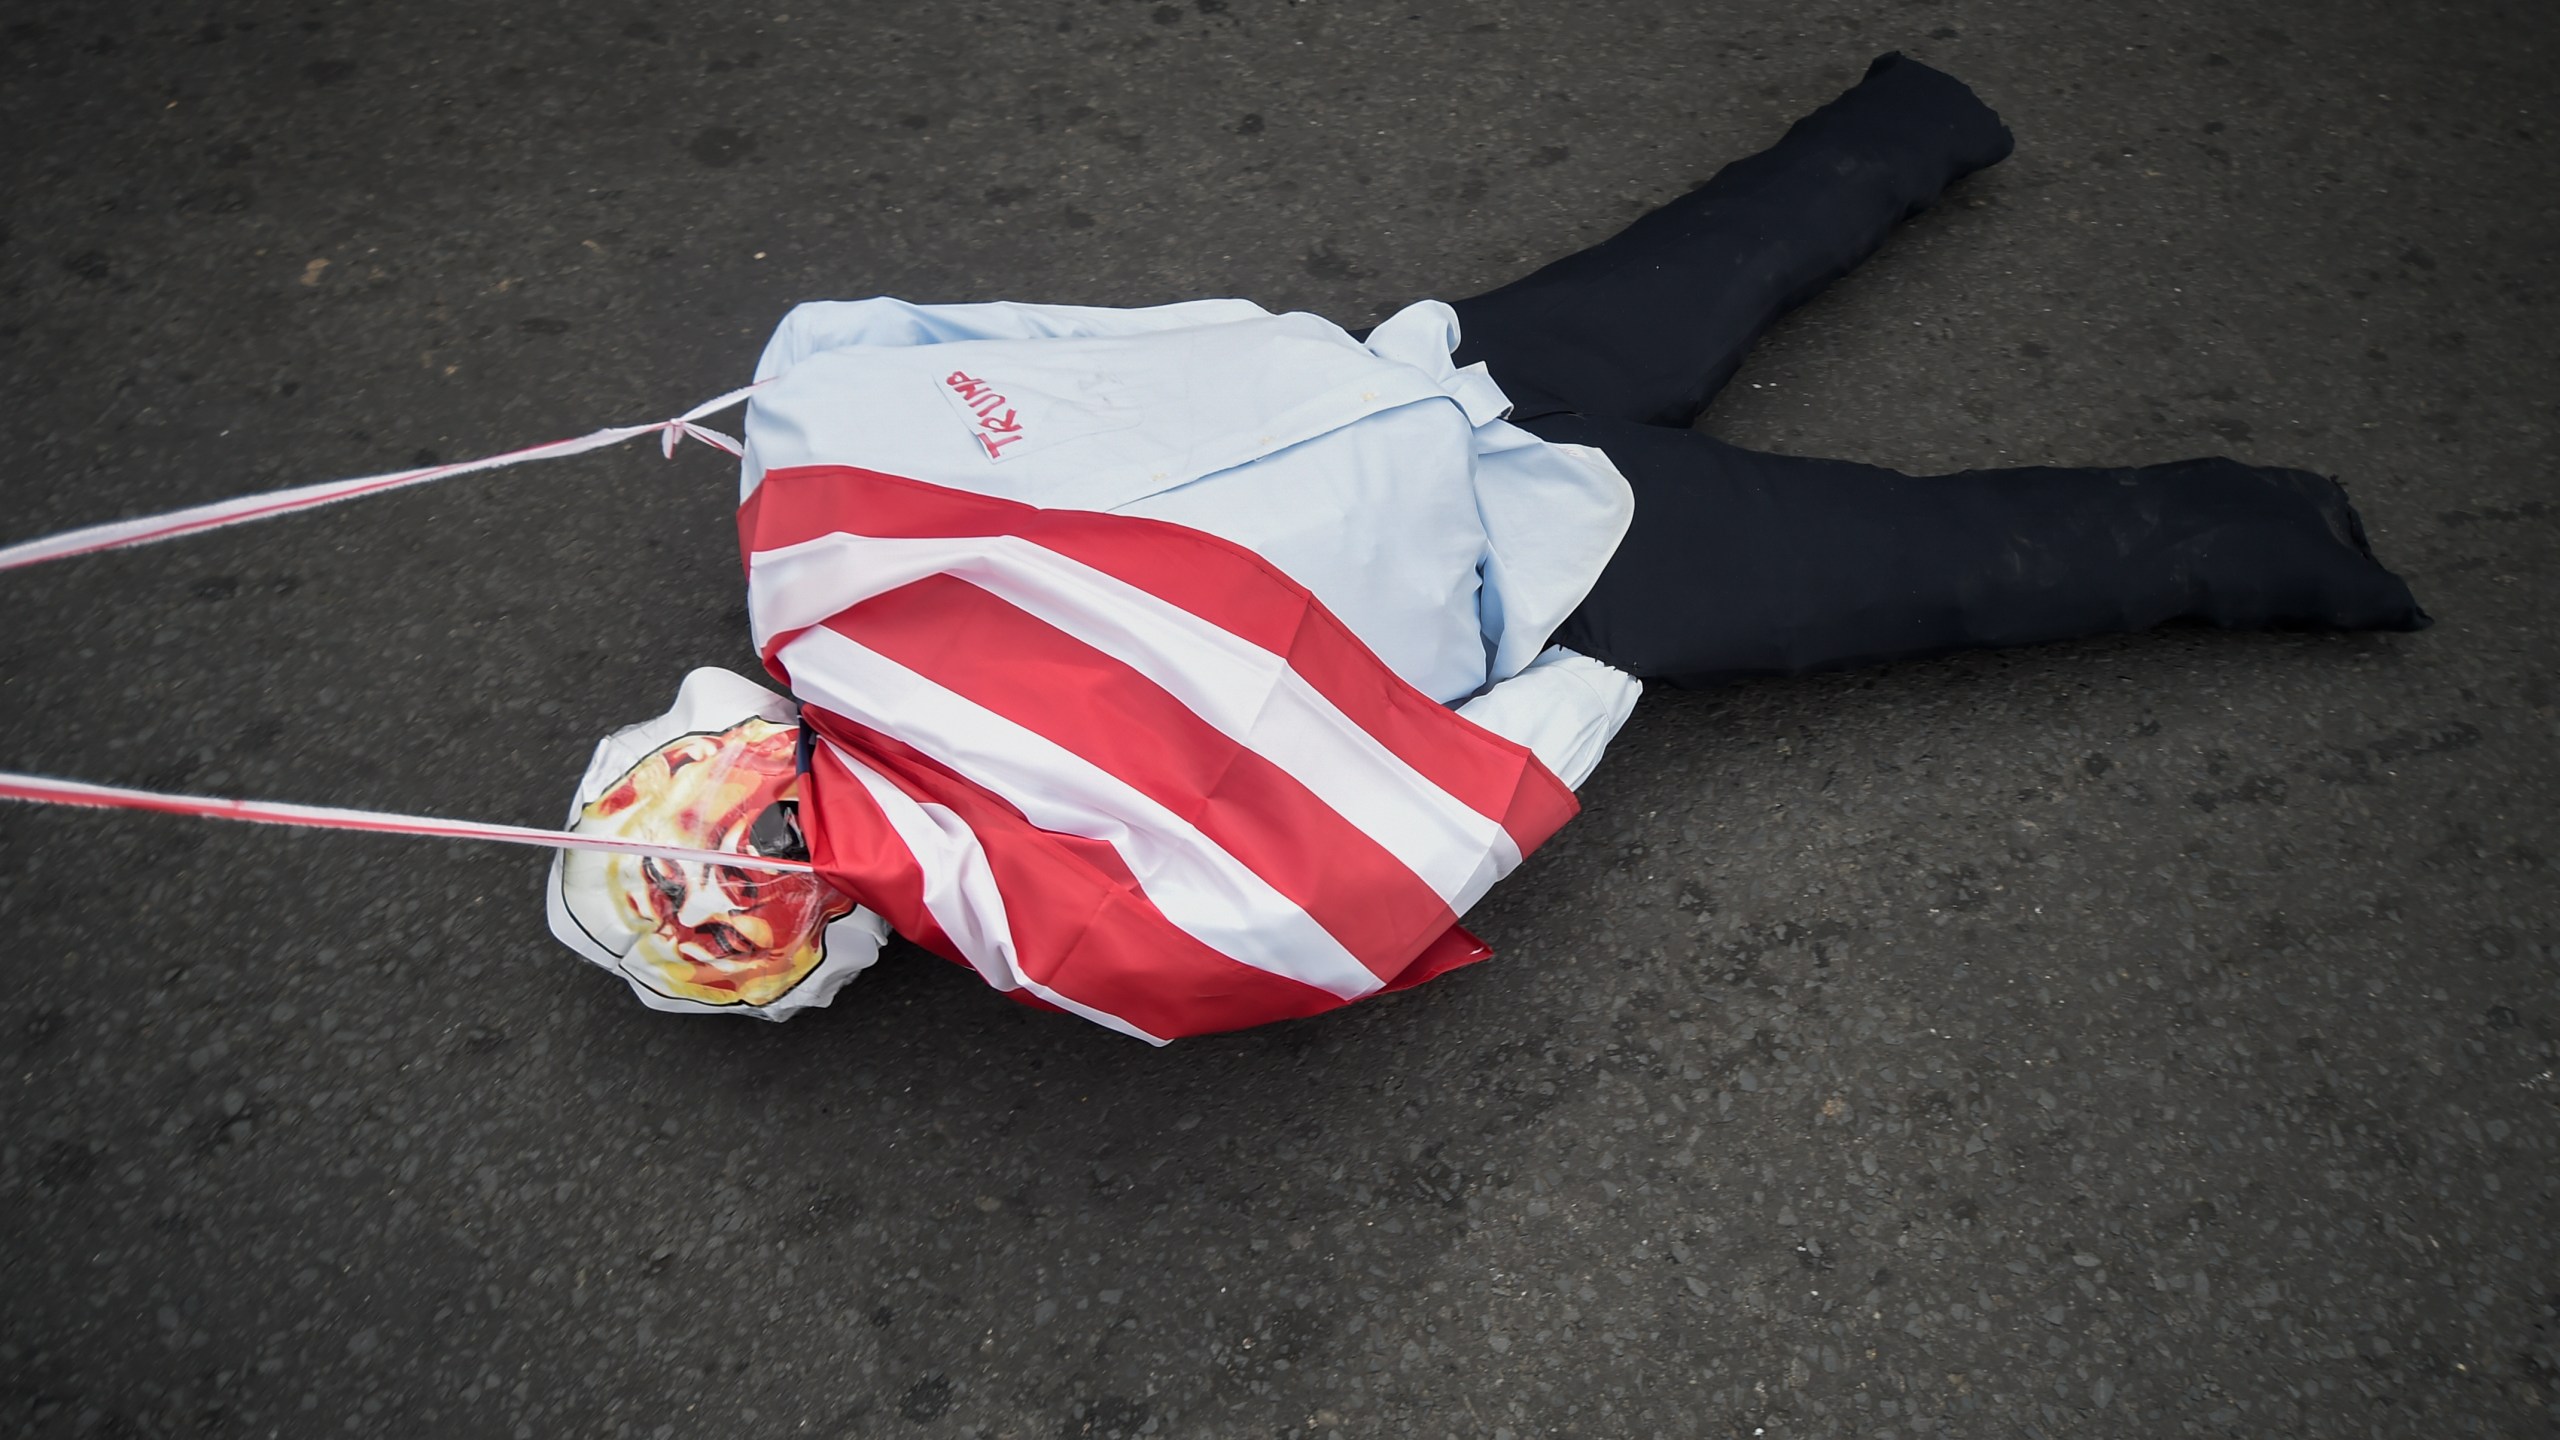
[{"x": 1380, "y": 476}]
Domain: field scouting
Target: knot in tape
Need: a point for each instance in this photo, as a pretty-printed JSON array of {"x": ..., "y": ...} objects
[{"x": 676, "y": 429}]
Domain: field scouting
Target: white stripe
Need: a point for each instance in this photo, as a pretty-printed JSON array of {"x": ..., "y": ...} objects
[
  {"x": 1247, "y": 693},
  {"x": 1204, "y": 891},
  {"x": 961, "y": 893}
]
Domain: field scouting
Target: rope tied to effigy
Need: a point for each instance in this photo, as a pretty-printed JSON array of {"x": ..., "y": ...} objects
[{"x": 220, "y": 514}]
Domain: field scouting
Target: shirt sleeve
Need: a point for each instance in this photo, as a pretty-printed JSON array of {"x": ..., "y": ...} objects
[{"x": 1565, "y": 706}]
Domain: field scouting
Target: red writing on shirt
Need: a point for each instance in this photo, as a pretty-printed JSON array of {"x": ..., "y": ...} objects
[{"x": 998, "y": 425}]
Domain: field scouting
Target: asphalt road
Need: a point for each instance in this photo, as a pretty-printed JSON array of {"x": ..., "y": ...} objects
[{"x": 2145, "y": 1037}]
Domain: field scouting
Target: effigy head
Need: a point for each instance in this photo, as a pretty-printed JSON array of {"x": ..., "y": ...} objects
[{"x": 688, "y": 931}]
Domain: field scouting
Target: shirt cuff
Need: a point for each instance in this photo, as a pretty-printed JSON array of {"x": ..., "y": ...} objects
[{"x": 1565, "y": 707}]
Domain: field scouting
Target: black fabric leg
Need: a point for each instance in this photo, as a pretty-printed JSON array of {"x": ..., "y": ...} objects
[
  {"x": 1649, "y": 324},
  {"x": 1742, "y": 563}
]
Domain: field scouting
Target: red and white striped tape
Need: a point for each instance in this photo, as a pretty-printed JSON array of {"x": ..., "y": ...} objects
[
  {"x": 145, "y": 530},
  {"x": 45, "y": 790}
]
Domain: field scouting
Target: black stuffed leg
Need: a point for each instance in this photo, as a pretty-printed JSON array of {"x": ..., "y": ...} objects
[
  {"x": 1649, "y": 324},
  {"x": 1741, "y": 563}
]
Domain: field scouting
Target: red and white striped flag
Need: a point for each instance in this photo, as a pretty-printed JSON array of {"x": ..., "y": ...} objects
[{"x": 1120, "y": 766}]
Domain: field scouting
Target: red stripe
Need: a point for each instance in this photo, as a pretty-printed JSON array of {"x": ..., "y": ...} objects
[
  {"x": 1456, "y": 946},
  {"x": 852, "y": 831},
  {"x": 1210, "y": 577},
  {"x": 1020, "y": 667},
  {"x": 855, "y": 838},
  {"x": 1077, "y": 929}
]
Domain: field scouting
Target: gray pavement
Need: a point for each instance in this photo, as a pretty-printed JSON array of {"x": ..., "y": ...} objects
[{"x": 2156, "y": 1036}]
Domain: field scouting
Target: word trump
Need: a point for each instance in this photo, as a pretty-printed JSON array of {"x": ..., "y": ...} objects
[{"x": 998, "y": 424}]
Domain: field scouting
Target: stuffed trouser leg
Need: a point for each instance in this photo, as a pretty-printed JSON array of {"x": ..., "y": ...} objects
[
  {"x": 1649, "y": 324},
  {"x": 1741, "y": 563}
]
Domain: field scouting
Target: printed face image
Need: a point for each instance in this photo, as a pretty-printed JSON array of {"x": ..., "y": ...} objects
[{"x": 706, "y": 933}]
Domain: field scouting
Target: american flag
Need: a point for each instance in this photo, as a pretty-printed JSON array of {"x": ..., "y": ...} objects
[{"x": 1119, "y": 766}]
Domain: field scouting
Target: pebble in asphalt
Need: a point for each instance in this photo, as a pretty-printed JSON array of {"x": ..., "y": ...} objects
[{"x": 2142, "y": 1037}]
